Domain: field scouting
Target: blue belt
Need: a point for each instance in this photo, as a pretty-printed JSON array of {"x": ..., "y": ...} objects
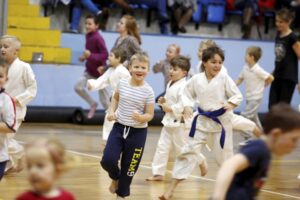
[{"x": 212, "y": 115}]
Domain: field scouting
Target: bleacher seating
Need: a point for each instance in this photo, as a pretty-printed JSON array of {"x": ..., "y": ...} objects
[{"x": 25, "y": 22}]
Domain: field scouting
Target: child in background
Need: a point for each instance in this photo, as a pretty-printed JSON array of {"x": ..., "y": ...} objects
[
  {"x": 7, "y": 118},
  {"x": 46, "y": 160},
  {"x": 163, "y": 66},
  {"x": 132, "y": 107},
  {"x": 111, "y": 78},
  {"x": 21, "y": 86},
  {"x": 215, "y": 95},
  {"x": 173, "y": 134},
  {"x": 243, "y": 175},
  {"x": 256, "y": 79},
  {"x": 95, "y": 56}
]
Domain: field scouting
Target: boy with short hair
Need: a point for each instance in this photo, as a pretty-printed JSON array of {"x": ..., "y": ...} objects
[
  {"x": 132, "y": 107},
  {"x": 111, "y": 78},
  {"x": 22, "y": 87},
  {"x": 256, "y": 78},
  {"x": 243, "y": 175},
  {"x": 173, "y": 134}
]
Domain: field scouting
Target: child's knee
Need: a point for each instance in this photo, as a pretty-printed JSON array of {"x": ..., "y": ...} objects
[{"x": 107, "y": 162}]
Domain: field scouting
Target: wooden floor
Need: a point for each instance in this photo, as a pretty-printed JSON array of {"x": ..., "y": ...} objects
[{"x": 87, "y": 181}]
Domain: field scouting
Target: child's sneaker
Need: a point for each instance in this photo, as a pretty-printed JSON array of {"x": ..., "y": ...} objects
[{"x": 92, "y": 110}]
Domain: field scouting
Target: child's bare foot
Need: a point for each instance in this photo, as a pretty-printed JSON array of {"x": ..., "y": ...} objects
[
  {"x": 166, "y": 196},
  {"x": 113, "y": 186},
  {"x": 155, "y": 178},
  {"x": 203, "y": 168}
]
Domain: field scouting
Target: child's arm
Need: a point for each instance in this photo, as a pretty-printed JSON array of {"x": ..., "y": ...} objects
[
  {"x": 147, "y": 116},
  {"x": 113, "y": 107},
  {"x": 296, "y": 48},
  {"x": 157, "y": 67},
  {"x": 99, "y": 83},
  {"x": 8, "y": 116},
  {"x": 226, "y": 173},
  {"x": 233, "y": 94},
  {"x": 188, "y": 98},
  {"x": 31, "y": 87},
  {"x": 102, "y": 54},
  {"x": 269, "y": 80},
  {"x": 239, "y": 81}
]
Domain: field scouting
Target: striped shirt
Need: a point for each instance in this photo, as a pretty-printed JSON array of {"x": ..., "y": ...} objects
[{"x": 133, "y": 98}]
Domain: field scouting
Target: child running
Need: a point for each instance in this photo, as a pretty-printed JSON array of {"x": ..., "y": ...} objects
[
  {"x": 132, "y": 107},
  {"x": 243, "y": 175},
  {"x": 246, "y": 127},
  {"x": 111, "y": 78},
  {"x": 21, "y": 86},
  {"x": 7, "y": 118},
  {"x": 95, "y": 55},
  {"x": 215, "y": 95},
  {"x": 256, "y": 79},
  {"x": 173, "y": 134},
  {"x": 46, "y": 160}
]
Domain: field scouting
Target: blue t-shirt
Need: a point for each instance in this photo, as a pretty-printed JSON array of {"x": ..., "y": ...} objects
[{"x": 247, "y": 183}]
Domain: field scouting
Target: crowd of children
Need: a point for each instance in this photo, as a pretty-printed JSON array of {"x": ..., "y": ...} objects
[{"x": 198, "y": 113}]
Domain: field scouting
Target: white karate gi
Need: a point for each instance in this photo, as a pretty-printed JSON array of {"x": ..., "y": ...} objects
[
  {"x": 21, "y": 85},
  {"x": 209, "y": 96},
  {"x": 239, "y": 123},
  {"x": 110, "y": 78},
  {"x": 7, "y": 116},
  {"x": 173, "y": 134}
]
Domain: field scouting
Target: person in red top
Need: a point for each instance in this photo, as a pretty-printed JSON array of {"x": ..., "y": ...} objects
[
  {"x": 95, "y": 55},
  {"x": 45, "y": 159}
]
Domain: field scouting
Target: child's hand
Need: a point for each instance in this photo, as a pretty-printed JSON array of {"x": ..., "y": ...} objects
[
  {"x": 111, "y": 117},
  {"x": 229, "y": 106},
  {"x": 136, "y": 116},
  {"x": 161, "y": 101},
  {"x": 86, "y": 53},
  {"x": 82, "y": 58},
  {"x": 16, "y": 101},
  {"x": 187, "y": 112},
  {"x": 166, "y": 108},
  {"x": 101, "y": 69}
]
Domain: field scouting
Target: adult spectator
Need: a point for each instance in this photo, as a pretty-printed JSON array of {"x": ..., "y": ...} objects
[{"x": 287, "y": 53}]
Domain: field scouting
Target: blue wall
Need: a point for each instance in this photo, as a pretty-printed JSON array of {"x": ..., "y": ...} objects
[{"x": 56, "y": 82}]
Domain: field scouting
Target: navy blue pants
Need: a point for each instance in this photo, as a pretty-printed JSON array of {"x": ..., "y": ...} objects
[
  {"x": 2, "y": 169},
  {"x": 131, "y": 148}
]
